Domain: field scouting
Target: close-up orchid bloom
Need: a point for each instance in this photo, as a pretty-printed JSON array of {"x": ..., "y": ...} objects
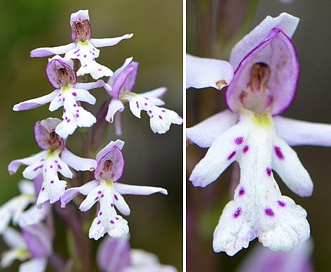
[
  {"x": 263, "y": 85},
  {"x": 120, "y": 87},
  {"x": 68, "y": 92},
  {"x": 33, "y": 246},
  {"x": 53, "y": 158},
  {"x": 83, "y": 47},
  {"x": 108, "y": 192}
]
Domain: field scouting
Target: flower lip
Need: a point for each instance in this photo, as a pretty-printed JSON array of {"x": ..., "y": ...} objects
[
  {"x": 278, "y": 53},
  {"x": 60, "y": 72},
  {"x": 111, "y": 166}
]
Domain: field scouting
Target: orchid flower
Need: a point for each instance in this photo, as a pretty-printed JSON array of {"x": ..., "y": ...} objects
[
  {"x": 34, "y": 245},
  {"x": 108, "y": 192},
  {"x": 115, "y": 255},
  {"x": 250, "y": 132},
  {"x": 14, "y": 208},
  {"x": 54, "y": 158},
  {"x": 120, "y": 87},
  {"x": 67, "y": 93},
  {"x": 83, "y": 46}
]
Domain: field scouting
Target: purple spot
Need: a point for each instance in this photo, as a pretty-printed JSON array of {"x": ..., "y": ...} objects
[
  {"x": 237, "y": 213},
  {"x": 239, "y": 140},
  {"x": 160, "y": 117},
  {"x": 102, "y": 196},
  {"x": 51, "y": 166},
  {"x": 115, "y": 196},
  {"x": 52, "y": 181},
  {"x": 99, "y": 69},
  {"x": 59, "y": 166},
  {"x": 78, "y": 55},
  {"x": 64, "y": 110},
  {"x": 112, "y": 222},
  {"x": 246, "y": 148},
  {"x": 146, "y": 104},
  {"x": 150, "y": 112},
  {"x": 43, "y": 189},
  {"x": 96, "y": 198},
  {"x": 163, "y": 111},
  {"x": 74, "y": 94},
  {"x": 268, "y": 171},
  {"x": 75, "y": 105},
  {"x": 100, "y": 213},
  {"x": 99, "y": 192},
  {"x": 68, "y": 121},
  {"x": 76, "y": 51},
  {"x": 85, "y": 56},
  {"x": 112, "y": 205},
  {"x": 137, "y": 104},
  {"x": 77, "y": 115},
  {"x": 241, "y": 191},
  {"x": 117, "y": 218},
  {"x": 281, "y": 203},
  {"x": 232, "y": 155},
  {"x": 99, "y": 222},
  {"x": 269, "y": 212},
  {"x": 279, "y": 153},
  {"x": 38, "y": 167}
]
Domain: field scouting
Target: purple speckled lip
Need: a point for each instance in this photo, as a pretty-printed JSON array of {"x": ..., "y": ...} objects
[
  {"x": 52, "y": 72},
  {"x": 279, "y": 53},
  {"x": 116, "y": 157}
]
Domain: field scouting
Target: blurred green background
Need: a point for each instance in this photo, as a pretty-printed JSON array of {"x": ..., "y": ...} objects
[
  {"x": 312, "y": 103},
  {"x": 156, "y": 160}
]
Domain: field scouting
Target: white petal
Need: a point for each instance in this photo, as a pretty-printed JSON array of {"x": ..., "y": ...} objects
[
  {"x": 36, "y": 102},
  {"x": 34, "y": 215},
  {"x": 288, "y": 166},
  {"x": 13, "y": 238},
  {"x": 296, "y": 132},
  {"x": 232, "y": 232},
  {"x": 78, "y": 163},
  {"x": 205, "y": 133},
  {"x": 125, "y": 189},
  {"x": 114, "y": 106},
  {"x": 291, "y": 228},
  {"x": 286, "y": 22},
  {"x": 48, "y": 51},
  {"x": 35, "y": 265},
  {"x": 116, "y": 230},
  {"x": 71, "y": 193},
  {"x": 15, "y": 164},
  {"x": 121, "y": 204},
  {"x": 203, "y": 72},
  {"x": 220, "y": 155},
  {"x": 154, "y": 95},
  {"x": 118, "y": 143},
  {"x": 109, "y": 41},
  {"x": 83, "y": 95},
  {"x": 161, "y": 119}
]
